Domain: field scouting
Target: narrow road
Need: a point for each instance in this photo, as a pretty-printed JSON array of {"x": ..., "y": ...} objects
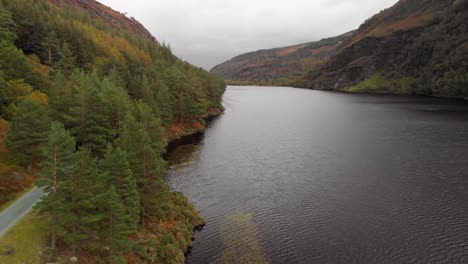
[{"x": 15, "y": 212}]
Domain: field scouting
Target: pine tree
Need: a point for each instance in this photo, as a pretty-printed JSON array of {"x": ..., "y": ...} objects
[
  {"x": 28, "y": 132},
  {"x": 67, "y": 60},
  {"x": 57, "y": 169},
  {"x": 81, "y": 85},
  {"x": 152, "y": 126},
  {"x": 145, "y": 165},
  {"x": 51, "y": 45},
  {"x": 89, "y": 120},
  {"x": 166, "y": 104},
  {"x": 117, "y": 173},
  {"x": 7, "y": 27},
  {"x": 84, "y": 194},
  {"x": 60, "y": 100},
  {"x": 118, "y": 103},
  {"x": 96, "y": 129},
  {"x": 116, "y": 231}
]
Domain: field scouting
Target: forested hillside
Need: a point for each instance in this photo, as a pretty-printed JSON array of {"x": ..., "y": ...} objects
[
  {"x": 279, "y": 66},
  {"x": 415, "y": 47},
  {"x": 91, "y": 100}
]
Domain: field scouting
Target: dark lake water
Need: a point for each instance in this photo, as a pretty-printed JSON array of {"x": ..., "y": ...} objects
[{"x": 300, "y": 176}]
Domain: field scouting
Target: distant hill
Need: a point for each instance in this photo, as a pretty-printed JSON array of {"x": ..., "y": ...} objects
[
  {"x": 415, "y": 47},
  {"x": 278, "y": 66}
]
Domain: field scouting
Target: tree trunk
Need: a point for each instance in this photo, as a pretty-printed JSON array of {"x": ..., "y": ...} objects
[
  {"x": 54, "y": 231},
  {"x": 54, "y": 220},
  {"x": 74, "y": 240},
  {"x": 50, "y": 55}
]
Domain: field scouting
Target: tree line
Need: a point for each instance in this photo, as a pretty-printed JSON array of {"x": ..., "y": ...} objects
[{"x": 94, "y": 121}]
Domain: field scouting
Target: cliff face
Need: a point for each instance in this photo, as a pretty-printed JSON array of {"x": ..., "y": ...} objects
[
  {"x": 279, "y": 65},
  {"x": 414, "y": 47},
  {"x": 107, "y": 15}
]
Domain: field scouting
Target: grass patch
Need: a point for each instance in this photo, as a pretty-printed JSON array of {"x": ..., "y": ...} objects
[
  {"x": 28, "y": 238},
  {"x": 379, "y": 83}
]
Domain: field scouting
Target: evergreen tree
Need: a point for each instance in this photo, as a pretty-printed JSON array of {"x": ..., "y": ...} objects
[
  {"x": 57, "y": 169},
  {"x": 89, "y": 120},
  {"x": 80, "y": 86},
  {"x": 96, "y": 130},
  {"x": 145, "y": 165},
  {"x": 116, "y": 232},
  {"x": 166, "y": 104},
  {"x": 118, "y": 103},
  {"x": 7, "y": 28},
  {"x": 67, "y": 60},
  {"x": 84, "y": 194},
  {"x": 117, "y": 173},
  {"x": 60, "y": 100},
  {"x": 52, "y": 47},
  {"x": 28, "y": 132},
  {"x": 152, "y": 126}
]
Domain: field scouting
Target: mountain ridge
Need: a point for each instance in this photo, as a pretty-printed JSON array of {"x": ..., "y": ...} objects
[
  {"x": 413, "y": 47},
  {"x": 278, "y": 65},
  {"x": 111, "y": 17}
]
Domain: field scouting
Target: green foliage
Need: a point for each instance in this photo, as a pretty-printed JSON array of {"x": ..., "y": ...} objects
[
  {"x": 7, "y": 28},
  {"x": 117, "y": 173},
  {"x": 145, "y": 164},
  {"x": 112, "y": 95},
  {"x": 379, "y": 83},
  {"x": 56, "y": 171},
  {"x": 84, "y": 195},
  {"x": 116, "y": 232},
  {"x": 28, "y": 132}
]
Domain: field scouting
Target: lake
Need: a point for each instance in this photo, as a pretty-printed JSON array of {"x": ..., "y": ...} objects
[{"x": 300, "y": 176}]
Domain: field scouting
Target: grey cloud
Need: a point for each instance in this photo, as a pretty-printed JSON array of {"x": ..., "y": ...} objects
[{"x": 208, "y": 32}]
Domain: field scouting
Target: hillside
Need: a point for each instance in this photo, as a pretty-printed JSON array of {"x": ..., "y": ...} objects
[
  {"x": 278, "y": 66},
  {"x": 90, "y": 100},
  {"x": 107, "y": 15},
  {"x": 415, "y": 47}
]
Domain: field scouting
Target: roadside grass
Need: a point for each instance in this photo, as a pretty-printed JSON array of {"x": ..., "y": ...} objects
[
  {"x": 14, "y": 198},
  {"x": 27, "y": 238}
]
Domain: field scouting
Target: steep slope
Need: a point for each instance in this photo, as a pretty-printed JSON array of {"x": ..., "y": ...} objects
[
  {"x": 90, "y": 100},
  {"x": 110, "y": 17},
  {"x": 278, "y": 66},
  {"x": 415, "y": 47}
]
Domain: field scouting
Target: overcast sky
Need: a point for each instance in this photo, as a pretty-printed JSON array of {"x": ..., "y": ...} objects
[{"x": 209, "y": 32}]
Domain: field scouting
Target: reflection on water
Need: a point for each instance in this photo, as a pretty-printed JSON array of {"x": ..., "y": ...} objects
[
  {"x": 240, "y": 241},
  {"x": 300, "y": 176},
  {"x": 182, "y": 155}
]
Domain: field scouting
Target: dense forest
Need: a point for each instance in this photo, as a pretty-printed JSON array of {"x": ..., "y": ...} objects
[{"x": 91, "y": 100}]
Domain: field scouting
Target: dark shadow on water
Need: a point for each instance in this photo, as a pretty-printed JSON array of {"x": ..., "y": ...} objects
[{"x": 192, "y": 139}]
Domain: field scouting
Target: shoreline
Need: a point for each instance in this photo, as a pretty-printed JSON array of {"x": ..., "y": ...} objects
[
  {"x": 186, "y": 136},
  {"x": 461, "y": 99}
]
